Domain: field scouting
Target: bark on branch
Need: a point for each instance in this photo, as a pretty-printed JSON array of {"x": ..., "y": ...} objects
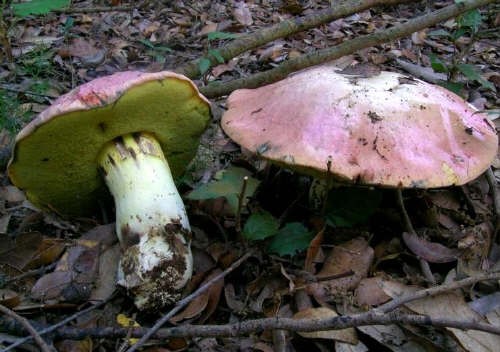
[
  {"x": 283, "y": 29},
  {"x": 217, "y": 89}
]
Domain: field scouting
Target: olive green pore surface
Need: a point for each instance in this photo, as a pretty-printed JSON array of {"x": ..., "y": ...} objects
[{"x": 56, "y": 164}]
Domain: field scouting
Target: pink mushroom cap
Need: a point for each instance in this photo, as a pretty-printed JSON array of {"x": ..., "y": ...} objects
[{"x": 389, "y": 129}]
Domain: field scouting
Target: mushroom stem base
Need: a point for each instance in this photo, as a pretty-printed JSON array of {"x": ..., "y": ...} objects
[{"x": 151, "y": 222}]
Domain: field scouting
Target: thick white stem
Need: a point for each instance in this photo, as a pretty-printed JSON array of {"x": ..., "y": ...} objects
[{"x": 151, "y": 221}]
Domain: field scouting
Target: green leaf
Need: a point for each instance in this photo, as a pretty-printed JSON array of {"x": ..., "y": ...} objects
[
  {"x": 228, "y": 184},
  {"x": 216, "y": 54},
  {"x": 204, "y": 65},
  {"x": 349, "y": 206},
  {"x": 472, "y": 73},
  {"x": 260, "y": 225},
  {"x": 454, "y": 87},
  {"x": 221, "y": 35},
  {"x": 292, "y": 238},
  {"x": 439, "y": 33},
  {"x": 38, "y": 7},
  {"x": 437, "y": 65},
  {"x": 471, "y": 19}
]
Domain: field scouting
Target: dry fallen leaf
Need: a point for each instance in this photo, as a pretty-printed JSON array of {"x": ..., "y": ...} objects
[
  {"x": 369, "y": 292},
  {"x": 354, "y": 256},
  {"x": 242, "y": 13},
  {"x": 432, "y": 252},
  {"x": 450, "y": 305},
  {"x": 203, "y": 305},
  {"x": 345, "y": 335}
]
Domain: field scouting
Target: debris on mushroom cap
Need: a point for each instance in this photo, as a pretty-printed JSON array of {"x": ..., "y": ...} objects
[
  {"x": 54, "y": 159},
  {"x": 388, "y": 129}
]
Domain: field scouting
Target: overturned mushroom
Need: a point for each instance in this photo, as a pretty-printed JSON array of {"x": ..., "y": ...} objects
[
  {"x": 120, "y": 130},
  {"x": 389, "y": 129}
]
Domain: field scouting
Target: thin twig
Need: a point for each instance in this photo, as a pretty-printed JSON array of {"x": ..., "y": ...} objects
[
  {"x": 397, "y": 302},
  {"x": 492, "y": 182},
  {"x": 424, "y": 265},
  {"x": 58, "y": 325},
  {"x": 241, "y": 199},
  {"x": 259, "y": 325},
  {"x": 33, "y": 272},
  {"x": 282, "y": 29},
  {"x": 186, "y": 300},
  {"x": 381, "y": 315},
  {"x": 25, "y": 323},
  {"x": 217, "y": 89}
]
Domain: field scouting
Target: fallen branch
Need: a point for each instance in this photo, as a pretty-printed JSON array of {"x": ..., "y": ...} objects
[
  {"x": 260, "y": 325},
  {"x": 283, "y": 29},
  {"x": 381, "y": 315},
  {"x": 26, "y": 324},
  {"x": 54, "y": 327},
  {"x": 433, "y": 291},
  {"x": 217, "y": 89},
  {"x": 185, "y": 301}
]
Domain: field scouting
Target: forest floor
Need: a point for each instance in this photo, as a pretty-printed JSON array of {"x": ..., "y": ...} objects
[{"x": 353, "y": 253}]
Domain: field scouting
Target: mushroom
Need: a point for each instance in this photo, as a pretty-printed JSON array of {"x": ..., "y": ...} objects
[
  {"x": 389, "y": 130},
  {"x": 120, "y": 130}
]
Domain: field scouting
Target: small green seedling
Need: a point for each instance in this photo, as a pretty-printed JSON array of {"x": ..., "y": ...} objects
[
  {"x": 467, "y": 24},
  {"x": 205, "y": 63},
  {"x": 38, "y": 7}
]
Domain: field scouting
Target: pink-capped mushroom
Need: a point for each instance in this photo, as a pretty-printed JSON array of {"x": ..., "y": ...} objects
[
  {"x": 119, "y": 131},
  {"x": 389, "y": 129}
]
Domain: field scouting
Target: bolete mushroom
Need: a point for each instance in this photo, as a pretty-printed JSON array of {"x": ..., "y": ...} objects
[
  {"x": 389, "y": 130},
  {"x": 120, "y": 130}
]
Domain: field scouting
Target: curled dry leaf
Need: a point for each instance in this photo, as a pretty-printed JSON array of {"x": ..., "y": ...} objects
[
  {"x": 369, "y": 292},
  {"x": 9, "y": 298},
  {"x": 345, "y": 335},
  {"x": 356, "y": 256},
  {"x": 430, "y": 251},
  {"x": 32, "y": 250},
  {"x": 73, "y": 276},
  {"x": 4, "y": 223},
  {"x": 232, "y": 301},
  {"x": 12, "y": 194},
  {"x": 392, "y": 337},
  {"x": 450, "y": 305},
  {"x": 203, "y": 305},
  {"x": 242, "y": 13}
]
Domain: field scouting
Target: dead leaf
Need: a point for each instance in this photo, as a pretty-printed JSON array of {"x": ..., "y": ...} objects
[
  {"x": 12, "y": 194},
  {"x": 73, "y": 276},
  {"x": 203, "y": 305},
  {"x": 32, "y": 250},
  {"x": 432, "y": 252},
  {"x": 83, "y": 345},
  {"x": 242, "y": 13},
  {"x": 345, "y": 335},
  {"x": 313, "y": 251},
  {"x": 392, "y": 337},
  {"x": 105, "y": 283},
  {"x": 450, "y": 305},
  {"x": 370, "y": 293},
  {"x": 356, "y": 256},
  {"x": 232, "y": 301},
  {"x": 4, "y": 223},
  {"x": 9, "y": 298}
]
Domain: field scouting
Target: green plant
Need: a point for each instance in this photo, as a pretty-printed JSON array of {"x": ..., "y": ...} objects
[
  {"x": 155, "y": 50},
  {"x": 213, "y": 54},
  {"x": 467, "y": 24},
  {"x": 37, "y": 63},
  {"x": 12, "y": 115},
  {"x": 38, "y": 7}
]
